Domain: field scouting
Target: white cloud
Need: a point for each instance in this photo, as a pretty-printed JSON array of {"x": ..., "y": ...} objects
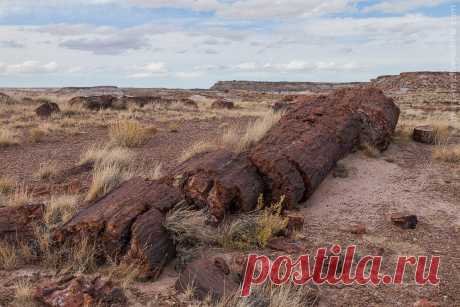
[
  {"x": 189, "y": 75},
  {"x": 149, "y": 70},
  {"x": 401, "y": 6},
  {"x": 28, "y": 67}
]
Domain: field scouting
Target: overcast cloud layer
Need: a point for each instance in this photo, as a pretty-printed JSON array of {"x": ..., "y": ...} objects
[{"x": 193, "y": 43}]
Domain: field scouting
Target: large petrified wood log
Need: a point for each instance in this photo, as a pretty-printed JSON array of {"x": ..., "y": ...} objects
[
  {"x": 151, "y": 245},
  {"x": 17, "y": 222},
  {"x": 222, "y": 181},
  {"x": 126, "y": 215},
  {"x": 298, "y": 153},
  {"x": 424, "y": 134}
]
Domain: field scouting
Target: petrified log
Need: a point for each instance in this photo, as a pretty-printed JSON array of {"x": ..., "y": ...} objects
[
  {"x": 223, "y": 104},
  {"x": 151, "y": 245},
  {"x": 80, "y": 291},
  {"x": 46, "y": 109},
  {"x": 207, "y": 277},
  {"x": 424, "y": 134},
  {"x": 222, "y": 181},
  {"x": 17, "y": 222},
  {"x": 113, "y": 221},
  {"x": 298, "y": 153},
  {"x": 98, "y": 102}
]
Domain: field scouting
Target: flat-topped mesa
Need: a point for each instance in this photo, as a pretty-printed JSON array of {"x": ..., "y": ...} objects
[{"x": 298, "y": 153}]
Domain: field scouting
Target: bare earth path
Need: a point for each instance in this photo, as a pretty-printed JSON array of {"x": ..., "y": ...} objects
[{"x": 373, "y": 191}]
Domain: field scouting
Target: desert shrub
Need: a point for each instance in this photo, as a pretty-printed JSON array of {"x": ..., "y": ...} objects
[
  {"x": 7, "y": 185},
  {"x": 129, "y": 133},
  {"x": 8, "y": 138}
]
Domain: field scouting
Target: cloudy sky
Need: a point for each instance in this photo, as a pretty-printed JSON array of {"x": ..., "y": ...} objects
[{"x": 193, "y": 43}]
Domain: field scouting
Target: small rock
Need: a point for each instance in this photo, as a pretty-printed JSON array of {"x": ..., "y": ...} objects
[
  {"x": 340, "y": 171},
  {"x": 295, "y": 221},
  {"x": 46, "y": 109},
  {"x": 404, "y": 221},
  {"x": 424, "y": 134},
  {"x": 358, "y": 229},
  {"x": 279, "y": 106},
  {"x": 284, "y": 245},
  {"x": 223, "y": 104}
]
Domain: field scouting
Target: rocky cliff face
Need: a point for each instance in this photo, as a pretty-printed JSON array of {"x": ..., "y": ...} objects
[
  {"x": 256, "y": 86},
  {"x": 402, "y": 83}
]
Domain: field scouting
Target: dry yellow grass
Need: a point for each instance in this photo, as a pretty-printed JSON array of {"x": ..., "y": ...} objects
[
  {"x": 24, "y": 292},
  {"x": 7, "y": 185},
  {"x": 197, "y": 148},
  {"x": 370, "y": 150},
  {"x": 36, "y": 135},
  {"x": 447, "y": 153},
  {"x": 106, "y": 155},
  {"x": 20, "y": 197},
  {"x": 47, "y": 170},
  {"x": 8, "y": 138},
  {"x": 232, "y": 139},
  {"x": 60, "y": 209},
  {"x": 129, "y": 133},
  {"x": 8, "y": 256},
  {"x": 105, "y": 179}
]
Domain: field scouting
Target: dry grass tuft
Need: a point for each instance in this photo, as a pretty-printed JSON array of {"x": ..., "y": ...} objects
[
  {"x": 106, "y": 177},
  {"x": 36, "y": 135},
  {"x": 196, "y": 149},
  {"x": 7, "y": 185},
  {"x": 20, "y": 197},
  {"x": 107, "y": 156},
  {"x": 47, "y": 170},
  {"x": 24, "y": 292},
  {"x": 8, "y": 138},
  {"x": 60, "y": 209},
  {"x": 254, "y": 230},
  {"x": 273, "y": 296},
  {"x": 370, "y": 150},
  {"x": 447, "y": 153},
  {"x": 129, "y": 133},
  {"x": 8, "y": 256}
]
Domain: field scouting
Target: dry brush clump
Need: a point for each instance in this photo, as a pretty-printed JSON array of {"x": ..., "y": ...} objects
[
  {"x": 47, "y": 170},
  {"x": 235, "y": 140},
  {"x": 112, "y": 166},
  {"x": 273, "y": 296},
  {"x": 21, "y": 196},
  {"x": 8, "y": 138},
  {"x": 447, "y": 153},
  {"x": 7, "y": 185},
  {"x": 129, "y": 133}
]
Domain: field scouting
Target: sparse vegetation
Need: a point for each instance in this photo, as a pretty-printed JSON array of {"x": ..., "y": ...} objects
[
  {"x": 106, "y": 177},
  {"x": 196, "y": 149},
  {"x": 8, "y": 138},
  {"x": 8, "y": 256},
  {"x": 7, "y": 185},
  {"x": 273, "y": 296},
  {"x": 60, "y": 209},
  {"x": 24, "y": 291},
  {"x": 36, "y": 135},
  {"x": 447, "y": 153},
  {"x": 107, "y": 155},
  {"x": 21, "y": 196},
  {"x": 47, "y": 170},
  {"x": 129, "y": 133},
  {"x": 370, "y": 150}
]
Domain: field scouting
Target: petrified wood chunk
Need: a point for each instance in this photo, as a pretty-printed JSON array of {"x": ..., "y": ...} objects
[
  {"x": 151, "y": 245},
  {"x": 123, "y": 215},
  {"x": 298, "y": 153},
  {"x": 424, "y": 134},
  {"x": 17, "y": 222},
  {"x": 46, "y": 109},
  {"x": 207, "y": 277}
]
